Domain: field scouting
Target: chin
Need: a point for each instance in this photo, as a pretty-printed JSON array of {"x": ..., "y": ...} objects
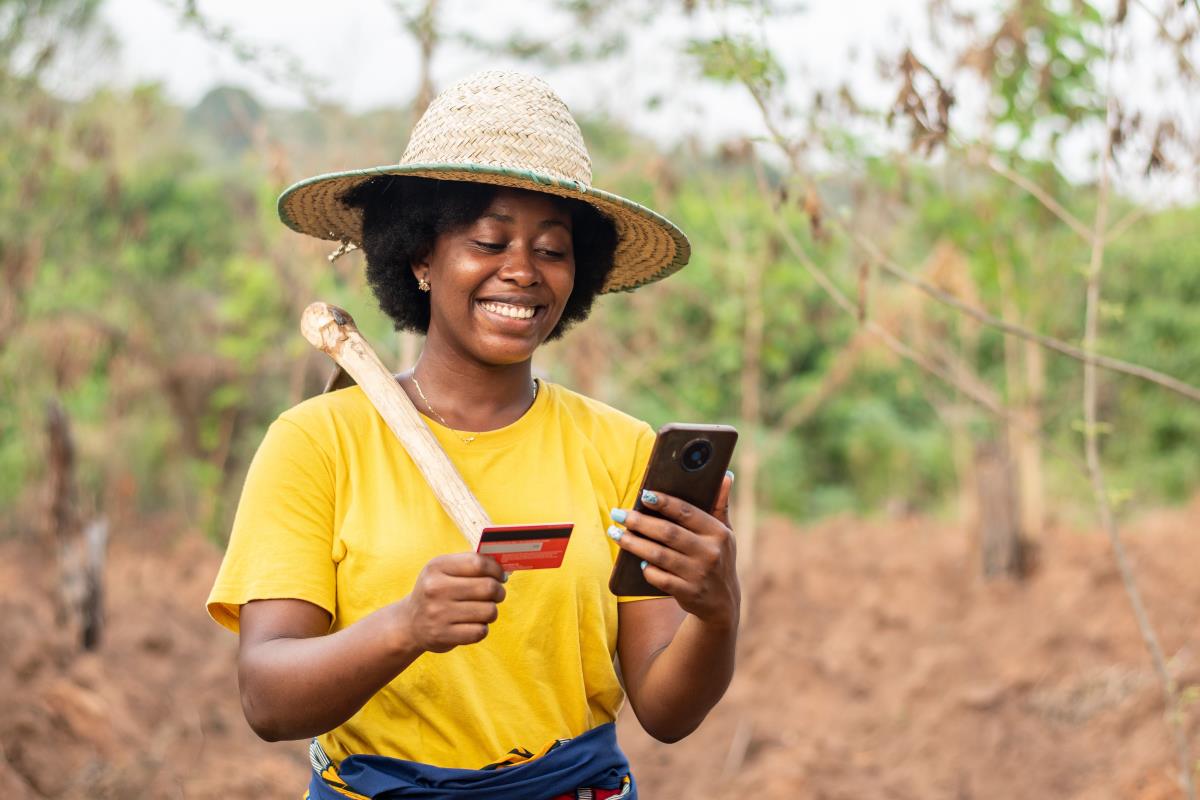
[
  {"x": 505, "y": 356},
  {"x": 502, "y": 351}
]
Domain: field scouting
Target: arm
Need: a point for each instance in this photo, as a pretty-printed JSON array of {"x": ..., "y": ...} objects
[
  {"x": 677, "y": 653},
  {"x": 298, "y": 681}
]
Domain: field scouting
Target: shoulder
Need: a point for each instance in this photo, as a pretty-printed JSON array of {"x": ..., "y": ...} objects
[
  {"x": 593, "y": 417},
  {"x": 327, "y": 418}
]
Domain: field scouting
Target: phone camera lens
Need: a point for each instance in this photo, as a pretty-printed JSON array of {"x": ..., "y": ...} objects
[{"x": 696, "y": 454}]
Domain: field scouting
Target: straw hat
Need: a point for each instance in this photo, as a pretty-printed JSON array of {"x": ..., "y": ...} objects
[{"x": 508, "y": 129}]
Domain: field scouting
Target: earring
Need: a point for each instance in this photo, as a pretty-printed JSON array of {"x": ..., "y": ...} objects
[{"x": 423, "y": 284}]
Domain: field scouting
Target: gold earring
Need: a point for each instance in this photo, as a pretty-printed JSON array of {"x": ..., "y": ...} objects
[{"x": 423, "y": 284}]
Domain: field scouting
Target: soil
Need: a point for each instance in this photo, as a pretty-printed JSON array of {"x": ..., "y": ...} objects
[{"x": 874, "y": 663}]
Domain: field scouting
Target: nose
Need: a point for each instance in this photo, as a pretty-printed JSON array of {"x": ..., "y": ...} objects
[{"x": 519, "y": 266}]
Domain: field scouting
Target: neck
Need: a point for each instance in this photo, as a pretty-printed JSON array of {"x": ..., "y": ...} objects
[{"x": 467, "y": 395}]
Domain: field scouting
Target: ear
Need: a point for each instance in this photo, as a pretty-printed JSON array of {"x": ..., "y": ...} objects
[{"x": 420, "y": 266}]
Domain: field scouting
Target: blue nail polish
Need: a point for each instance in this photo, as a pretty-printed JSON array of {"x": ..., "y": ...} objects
[
  {"x": 505, "y": 578},
  {"x": 614, "y": 533},
  {"x": 649, "y": 498},
  {"x": 618, "y": 515},
  {"x": 644, "y": 565},
  {"x": 729, "y": 472}
]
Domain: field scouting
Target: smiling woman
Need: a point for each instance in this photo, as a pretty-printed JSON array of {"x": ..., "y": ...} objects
[
  {"x": 402, "y": 217},
  {"x": 418, "y": 669}
]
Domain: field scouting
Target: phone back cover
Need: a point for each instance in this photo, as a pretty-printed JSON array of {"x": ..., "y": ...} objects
[{"x": 665, "y": 473}]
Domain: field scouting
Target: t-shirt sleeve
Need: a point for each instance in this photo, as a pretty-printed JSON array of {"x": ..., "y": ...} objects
[
  {"x": 641, "y": 459},
  {"x": 281, "y": 545}
]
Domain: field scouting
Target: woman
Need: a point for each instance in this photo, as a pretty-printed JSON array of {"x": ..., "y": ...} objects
[{"x": 420, "y": 669}]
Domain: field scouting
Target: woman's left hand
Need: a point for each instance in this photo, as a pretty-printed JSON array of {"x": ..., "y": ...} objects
[{"x": 690, "y": 554}]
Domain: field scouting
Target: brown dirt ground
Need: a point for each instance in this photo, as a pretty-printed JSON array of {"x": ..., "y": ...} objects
[{"x": 875, "y": 664}]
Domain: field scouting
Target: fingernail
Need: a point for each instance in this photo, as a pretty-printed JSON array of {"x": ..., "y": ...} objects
[
  {"x": 618, "y": 514},
  {"x": 644, "y": 565},
  {"x": 614, "y": 533},
  {"x": 649, "y": 498},
  {"x": 729, "y": 472},
  {"x": 505, "y": 578}
]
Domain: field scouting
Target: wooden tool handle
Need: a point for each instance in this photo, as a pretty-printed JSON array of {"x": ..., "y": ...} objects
[{"x": 331, "y": 330}]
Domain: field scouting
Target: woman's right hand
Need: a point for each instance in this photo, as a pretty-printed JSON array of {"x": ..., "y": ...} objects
[
  {"x": 298, "y": 680},
  {"x": 453, "y": 601}
]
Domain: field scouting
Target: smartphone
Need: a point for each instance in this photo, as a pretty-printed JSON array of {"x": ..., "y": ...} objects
[{"x": 688, "y": 462}]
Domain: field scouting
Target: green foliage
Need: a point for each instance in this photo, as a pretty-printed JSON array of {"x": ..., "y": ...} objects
[
  {"x": 1152, "y": 275},
  {"x": 734, "y": 58},
  {"x": 1043, "y": 59},
  {"x": 153, "y": 290}
]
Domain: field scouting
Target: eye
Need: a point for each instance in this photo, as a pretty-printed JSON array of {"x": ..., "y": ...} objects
[
  {"x": 494, "y": 247},
  {"x": 551, "y": 253}
]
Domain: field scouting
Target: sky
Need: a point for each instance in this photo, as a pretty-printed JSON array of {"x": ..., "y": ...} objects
[{"x": 360, "y": 56}]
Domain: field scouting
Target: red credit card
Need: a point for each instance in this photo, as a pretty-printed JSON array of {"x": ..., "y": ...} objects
[{"x": 526, "y": 546}]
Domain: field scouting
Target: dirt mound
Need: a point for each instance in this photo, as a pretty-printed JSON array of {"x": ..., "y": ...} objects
[
  {"x": 875, "y": 664},
  {"x": 154, "y": 713},
  {"x": 878, "y": 665}
]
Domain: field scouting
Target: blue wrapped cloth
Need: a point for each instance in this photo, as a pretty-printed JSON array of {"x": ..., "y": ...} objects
[{"x": 593, "y": 760}]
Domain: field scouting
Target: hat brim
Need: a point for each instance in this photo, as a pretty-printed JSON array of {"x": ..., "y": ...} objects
[{"x": 649, "y": 246}]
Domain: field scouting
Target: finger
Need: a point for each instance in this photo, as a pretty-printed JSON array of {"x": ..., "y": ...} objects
[
  {"x": 660, "y": 530},
  {"x": 473, "y": 612},
  {"x": 684, "y": 514},
  {"x": 466, "y": 633},
  {"x": 652, "y": 552},
  {"x": 461, "y": 589},
  {"x": 721, "y": 507},
  {"x": 471, "y": 565},
  {"x": 667, "y": 581}
]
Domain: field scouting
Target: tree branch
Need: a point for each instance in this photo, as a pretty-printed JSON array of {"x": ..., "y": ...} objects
[
  {"x": 1040, "y": 194},
  {"x": 1096, "y": 470},
  {"x": 1049, "y": 342},
  {"x": 883, "y": 334},
  {"x": 1162, "y": 379},
  {"x": 844, "y": 362},
  {"x": 1125, "y": 222}
]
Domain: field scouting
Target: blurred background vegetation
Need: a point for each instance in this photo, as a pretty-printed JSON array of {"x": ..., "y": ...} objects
[{"x": 147, "y": 285}]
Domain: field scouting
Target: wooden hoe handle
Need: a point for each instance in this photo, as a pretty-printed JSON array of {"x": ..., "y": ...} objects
[{"x": 331, "y": 330}]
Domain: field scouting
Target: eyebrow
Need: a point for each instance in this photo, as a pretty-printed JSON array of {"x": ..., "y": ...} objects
[{"x": 546, "y": 223}]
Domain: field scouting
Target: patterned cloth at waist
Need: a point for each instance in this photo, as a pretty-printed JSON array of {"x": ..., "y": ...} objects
[{"x": 592, "y": 760}]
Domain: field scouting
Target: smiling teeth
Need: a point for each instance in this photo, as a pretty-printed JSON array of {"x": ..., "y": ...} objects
[{"x": 507, "y": 310}]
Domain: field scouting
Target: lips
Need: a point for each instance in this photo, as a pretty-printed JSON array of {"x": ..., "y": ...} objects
[{"x": 510, "y": 310}]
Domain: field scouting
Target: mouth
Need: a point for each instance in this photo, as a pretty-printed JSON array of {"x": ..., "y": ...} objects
[{"x": 513, "y": 311}]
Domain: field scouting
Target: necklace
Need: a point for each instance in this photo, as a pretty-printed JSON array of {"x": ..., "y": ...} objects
[
  {"x": 441, "y": 419},
  {"x": 432, "y": 410}
]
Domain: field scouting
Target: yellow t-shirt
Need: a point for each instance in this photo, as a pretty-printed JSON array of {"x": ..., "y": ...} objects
[{"x": 336, "y": 513}]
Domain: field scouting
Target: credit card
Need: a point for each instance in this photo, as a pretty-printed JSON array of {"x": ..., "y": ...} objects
[{"x": 526, "y": 546}]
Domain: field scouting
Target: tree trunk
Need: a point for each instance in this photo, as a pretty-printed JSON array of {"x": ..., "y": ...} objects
[
  {"x": 1024, "y": 373},
  {"x": 999, "y": 531},
  {"x": 80, "y": 551},
  {"x": 424, "y": 27},
  {"x": 1028, "y": 445},
  {"x": 749, "y": 460}
]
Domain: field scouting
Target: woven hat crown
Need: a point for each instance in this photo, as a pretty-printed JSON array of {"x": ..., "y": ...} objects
[
  {"x": 504, "y": 129},
  {"x": 502, "y": 119}
]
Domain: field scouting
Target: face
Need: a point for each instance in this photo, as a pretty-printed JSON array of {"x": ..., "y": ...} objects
[{"x": 499, "y": 285}]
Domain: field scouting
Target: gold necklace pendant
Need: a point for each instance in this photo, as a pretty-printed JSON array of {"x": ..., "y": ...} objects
[
  {"x": 432, "y": 410},
  {"x": 441, "y": 419}
]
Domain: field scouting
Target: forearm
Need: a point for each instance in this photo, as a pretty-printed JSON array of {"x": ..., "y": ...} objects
[
  {"x": 684, "y": 681},
  {"x": 294, "y": 688}
]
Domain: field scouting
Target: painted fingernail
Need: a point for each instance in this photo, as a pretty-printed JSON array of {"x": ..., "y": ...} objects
[
  {"x": 505, "y": 578},
  {"x": 644, "y": 565},
  {"x": 729, "y": 472},
  {"x": 618, "y": 514},
  {"x": 650, "y": 498},
  {"x": 614, "y": 533}
]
